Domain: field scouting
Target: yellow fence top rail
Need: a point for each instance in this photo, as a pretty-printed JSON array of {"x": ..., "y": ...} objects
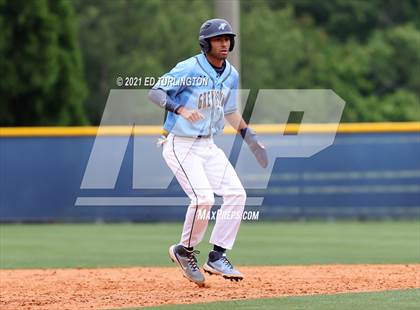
[{"x": 260, "y": 129}]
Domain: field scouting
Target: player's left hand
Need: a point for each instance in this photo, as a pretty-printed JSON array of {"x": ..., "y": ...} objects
[
  {"x": 256, "y": 147},
  {"x": 190, "y": 115}
]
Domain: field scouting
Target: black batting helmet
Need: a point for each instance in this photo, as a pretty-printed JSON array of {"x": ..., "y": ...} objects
[{"x": 213, "y": 28}]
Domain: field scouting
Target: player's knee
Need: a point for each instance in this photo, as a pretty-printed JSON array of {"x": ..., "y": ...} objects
[
  {"x": 205, "y": 200},
  {"x": 241, "y": 196},
  {"x": 237, "y": 197}
]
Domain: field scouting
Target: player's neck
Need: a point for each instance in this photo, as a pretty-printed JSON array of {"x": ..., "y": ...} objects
[{"x": 215, "y": 62}]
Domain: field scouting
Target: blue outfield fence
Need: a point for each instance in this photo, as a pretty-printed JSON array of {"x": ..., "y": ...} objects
[{"x": 362, "y": 175}]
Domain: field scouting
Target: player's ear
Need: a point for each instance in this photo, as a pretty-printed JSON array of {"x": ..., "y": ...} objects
[
  {"x": 208, "y": 45},
  {"x": 205, "y": 45},
  {"x": 232, "y": 43}
]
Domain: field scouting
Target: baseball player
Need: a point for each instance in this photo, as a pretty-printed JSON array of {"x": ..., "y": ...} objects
[{"x": 196, "y": 112}]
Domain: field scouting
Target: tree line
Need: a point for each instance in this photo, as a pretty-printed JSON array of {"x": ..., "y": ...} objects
[{"x": 59, "y": 59}]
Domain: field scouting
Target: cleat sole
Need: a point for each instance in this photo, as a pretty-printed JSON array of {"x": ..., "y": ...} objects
[
  {"x": 173, "y": 259},
  {"x": 211, "y": 271},
  {"x": 233, "y": 278}
]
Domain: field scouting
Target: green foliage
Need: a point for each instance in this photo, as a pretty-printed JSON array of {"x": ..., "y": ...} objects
[
  {"x": 135, "y": 39},
  {"x": 375, "y": 70},
  {"x": 42, "y": 76},
  {"x": 272, "y": 67},
  {"x": 366, "y": 51},
  {"x": 346, "y": 19}
]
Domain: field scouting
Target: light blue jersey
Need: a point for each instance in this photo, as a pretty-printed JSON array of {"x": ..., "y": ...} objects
[{"x": 194, "y": 84}]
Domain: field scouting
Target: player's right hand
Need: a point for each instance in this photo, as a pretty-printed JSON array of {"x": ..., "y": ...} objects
[{"x": 190, "y": 115}]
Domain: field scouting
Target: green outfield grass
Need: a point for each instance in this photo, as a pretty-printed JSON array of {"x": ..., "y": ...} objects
[
  {"x": 274, "y": 243},
  {"x": 388, "y": 300}
]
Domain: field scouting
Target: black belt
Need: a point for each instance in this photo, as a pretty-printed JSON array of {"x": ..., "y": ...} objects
[
  {"x": 203, "y": 136},
  {"x": 197, "y": 137}
]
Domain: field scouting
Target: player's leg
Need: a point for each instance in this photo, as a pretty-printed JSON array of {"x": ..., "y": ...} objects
[
  {"x": 225, "y": 182},
  {"x": 183, "y": 157}
]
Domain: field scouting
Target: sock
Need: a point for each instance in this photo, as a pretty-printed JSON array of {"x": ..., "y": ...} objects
[{"x": 219, "y": 249}]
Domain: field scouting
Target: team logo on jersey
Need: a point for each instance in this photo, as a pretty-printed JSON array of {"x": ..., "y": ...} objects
[
  {"x": 211, "y": 98},
  {"x": 222, "y": 26}
]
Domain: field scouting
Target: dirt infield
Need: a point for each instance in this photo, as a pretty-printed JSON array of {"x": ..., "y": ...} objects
[{"x": 136, "y": 287}]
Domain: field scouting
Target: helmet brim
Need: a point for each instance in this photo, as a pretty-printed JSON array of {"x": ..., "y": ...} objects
[{"x": 220, "y": 33}]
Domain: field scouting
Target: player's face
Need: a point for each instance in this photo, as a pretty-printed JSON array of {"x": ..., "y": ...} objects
[{"x": 220, "y": 46}]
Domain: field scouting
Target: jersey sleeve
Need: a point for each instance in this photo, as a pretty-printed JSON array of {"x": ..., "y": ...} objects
[
  {"x": 230, "y": 105},
  {"x": 170, "y": 82}
]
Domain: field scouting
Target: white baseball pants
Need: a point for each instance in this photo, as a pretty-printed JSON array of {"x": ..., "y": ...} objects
[{"x": 203, "y": 169}]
